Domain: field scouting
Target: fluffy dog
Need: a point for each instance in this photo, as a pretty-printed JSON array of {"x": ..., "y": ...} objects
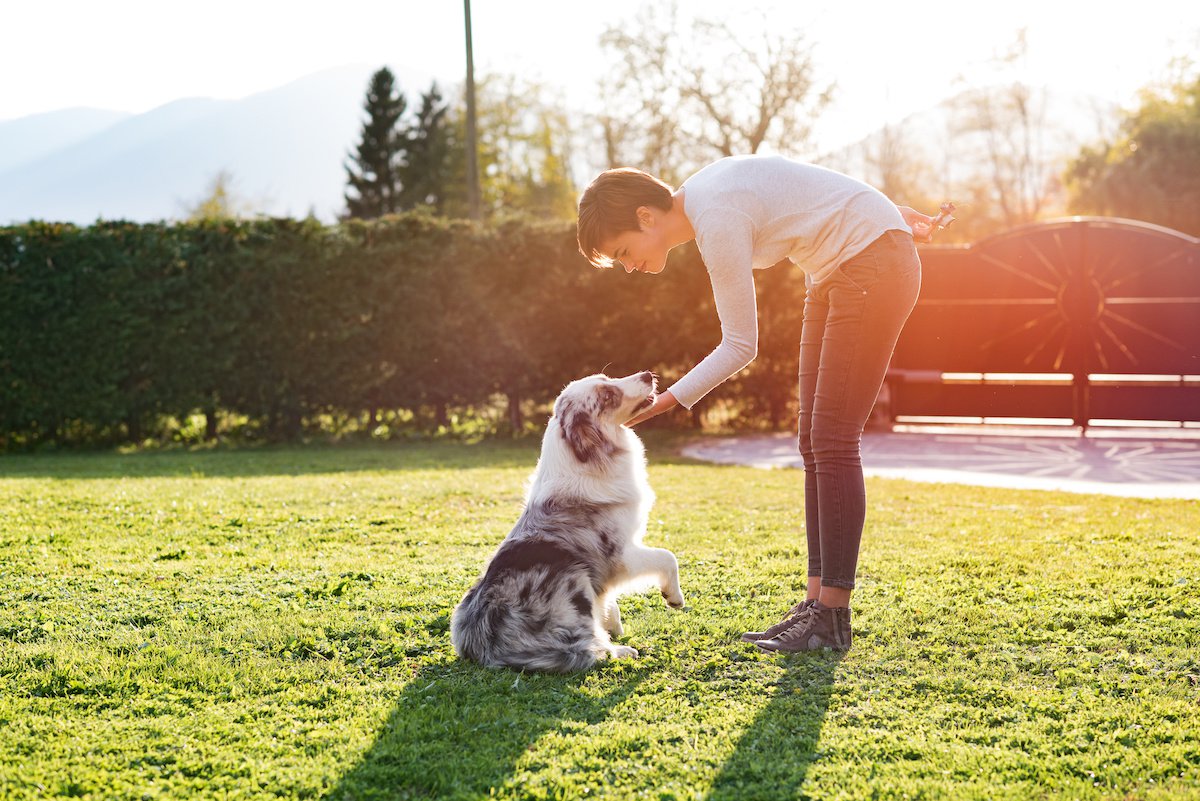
[{"x": 548, "y": 599}]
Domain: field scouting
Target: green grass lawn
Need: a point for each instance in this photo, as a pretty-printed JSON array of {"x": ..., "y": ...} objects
[{"x": 274, "y": 623}]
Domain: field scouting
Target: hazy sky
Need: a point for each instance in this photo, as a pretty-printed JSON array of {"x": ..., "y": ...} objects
[{"x": 887, "y": 58}]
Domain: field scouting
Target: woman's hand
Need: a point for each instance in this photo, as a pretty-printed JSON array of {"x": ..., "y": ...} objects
[
  {"x": 920, "y": 224},
  {"x": 665, "y": 402}
]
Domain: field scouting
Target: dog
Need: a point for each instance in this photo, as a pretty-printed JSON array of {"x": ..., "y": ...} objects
[{"x": 547, "y": 600}]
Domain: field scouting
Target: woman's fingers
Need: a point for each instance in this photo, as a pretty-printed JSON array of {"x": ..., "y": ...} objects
[{"x": 922, "y": 229}]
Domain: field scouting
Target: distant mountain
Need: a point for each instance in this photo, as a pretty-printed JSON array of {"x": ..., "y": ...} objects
[
  {"x": 29, "y": 138},
  {"x": 284, "y": 148}
]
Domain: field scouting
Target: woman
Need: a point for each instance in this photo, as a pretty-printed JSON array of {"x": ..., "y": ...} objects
[{"x": 863, "y": 275}]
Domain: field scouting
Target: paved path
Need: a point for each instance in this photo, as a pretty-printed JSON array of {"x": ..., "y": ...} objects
[{"x": 1141, "y": 464}]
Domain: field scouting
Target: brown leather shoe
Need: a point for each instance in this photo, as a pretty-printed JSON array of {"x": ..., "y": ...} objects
[
  {"x": 782, "y": 625},
  {"x": 813, "y": 629}
]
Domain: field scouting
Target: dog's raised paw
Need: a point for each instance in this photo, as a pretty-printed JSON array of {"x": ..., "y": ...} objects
[{"x": 674, "y": 603}]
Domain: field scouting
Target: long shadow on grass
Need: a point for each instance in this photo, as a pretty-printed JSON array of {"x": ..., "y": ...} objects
[
  {"x": 458, "y": 730},
  {"x": 773, "y": 757}
]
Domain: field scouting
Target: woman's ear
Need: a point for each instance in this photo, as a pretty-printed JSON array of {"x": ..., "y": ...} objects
[{"x": 645, "y": 217}]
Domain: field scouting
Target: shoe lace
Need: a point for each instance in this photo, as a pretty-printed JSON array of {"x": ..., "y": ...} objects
[
  {"x": 801, "y": 626},
  {"x": 797, "y": 609},
  {"x": 791, "y": 615}
]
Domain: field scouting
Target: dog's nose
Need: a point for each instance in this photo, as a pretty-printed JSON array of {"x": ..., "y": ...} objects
[{"x": 647, "y": 376}]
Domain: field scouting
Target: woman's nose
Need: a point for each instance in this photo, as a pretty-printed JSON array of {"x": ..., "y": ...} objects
[{"x": 628, "y": 267}]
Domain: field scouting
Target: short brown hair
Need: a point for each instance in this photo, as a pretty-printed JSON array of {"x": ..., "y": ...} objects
[{"x": 608, "y": 207}]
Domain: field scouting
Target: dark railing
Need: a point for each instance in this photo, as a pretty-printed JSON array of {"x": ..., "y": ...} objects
[{"x": 1081, "y": 319}]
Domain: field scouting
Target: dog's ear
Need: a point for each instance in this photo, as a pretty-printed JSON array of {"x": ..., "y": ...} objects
[
  {"x": 609, "y": 397},
  {"x": 585, "y": 438}
]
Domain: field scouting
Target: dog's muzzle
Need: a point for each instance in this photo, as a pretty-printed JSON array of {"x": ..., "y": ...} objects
[{"x": 648, "y": 401}]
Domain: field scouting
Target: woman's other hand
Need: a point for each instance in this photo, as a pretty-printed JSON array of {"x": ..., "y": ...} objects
[{"x": 920, "y": 224}]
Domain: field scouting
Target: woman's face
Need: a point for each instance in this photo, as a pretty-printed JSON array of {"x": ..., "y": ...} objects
[{"x": 644, "y": 250}]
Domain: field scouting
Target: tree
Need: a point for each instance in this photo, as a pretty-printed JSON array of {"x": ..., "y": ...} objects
[
  {"x": 220, "y": 202},
  {"x": 1152, "y": 170},
  {"x": 373, "y": 177},
  {"x": 911, "y": 162},
  {"x": 896, "y": 166},
  {"x": 704, "y": 91},
  {"x": 1009, "y": 126},
  {"x": 431, "y": 175},
  {"x": 524, "y": 149}
]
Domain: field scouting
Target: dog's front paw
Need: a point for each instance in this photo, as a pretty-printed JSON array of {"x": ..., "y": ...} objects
[
  {"x": 674, "y": 599},
  {"x": 623, "y": 652}
]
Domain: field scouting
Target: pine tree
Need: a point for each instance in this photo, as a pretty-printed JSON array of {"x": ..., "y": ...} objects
[
  {"x": 429, "y": 175},
  {"x": 373, "y": 177}
]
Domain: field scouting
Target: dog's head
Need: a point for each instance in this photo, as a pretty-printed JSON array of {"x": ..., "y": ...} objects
[{"x": 590, "y": 410}]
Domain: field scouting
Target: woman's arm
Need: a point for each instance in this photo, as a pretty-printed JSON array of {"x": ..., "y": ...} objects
[
  {"x": 725, "y": 238},
  {"x": 665, "y": 402}
]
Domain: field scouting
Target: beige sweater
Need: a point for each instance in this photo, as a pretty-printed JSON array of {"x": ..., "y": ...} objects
[{"x": 750, "y": 212}]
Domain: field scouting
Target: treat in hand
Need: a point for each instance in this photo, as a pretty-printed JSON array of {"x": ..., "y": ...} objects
[{"x": 944, "y": 216}]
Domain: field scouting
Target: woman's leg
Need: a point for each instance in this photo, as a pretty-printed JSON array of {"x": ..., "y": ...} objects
[
  {"x": 857, "y": 315},
  {"x": 870, "y": 297},
  {"x": 816, "y": 309}
]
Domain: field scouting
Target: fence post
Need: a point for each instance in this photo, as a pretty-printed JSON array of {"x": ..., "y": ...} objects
[{"x": 1080, "y": 325}]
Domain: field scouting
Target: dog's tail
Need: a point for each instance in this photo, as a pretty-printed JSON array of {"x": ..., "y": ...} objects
[
  {"x": 496, "y": 635},
  {"x": 578, "y": 656}
]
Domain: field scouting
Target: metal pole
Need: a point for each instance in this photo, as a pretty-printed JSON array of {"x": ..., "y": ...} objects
[{"x": 473, "y": 200}]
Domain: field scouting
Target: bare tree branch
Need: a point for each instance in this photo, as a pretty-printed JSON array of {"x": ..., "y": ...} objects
[{"x": 691, "y": 93}]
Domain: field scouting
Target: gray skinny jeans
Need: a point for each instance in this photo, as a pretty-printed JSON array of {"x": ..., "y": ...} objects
[{"x": 852, "y": 320}]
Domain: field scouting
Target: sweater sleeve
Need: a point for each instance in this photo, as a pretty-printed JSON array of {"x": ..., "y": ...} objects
[{"x": 725, "y": 238}]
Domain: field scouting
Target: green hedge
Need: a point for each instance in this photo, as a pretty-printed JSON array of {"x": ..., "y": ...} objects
[{"x": 111, "y": 329}]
